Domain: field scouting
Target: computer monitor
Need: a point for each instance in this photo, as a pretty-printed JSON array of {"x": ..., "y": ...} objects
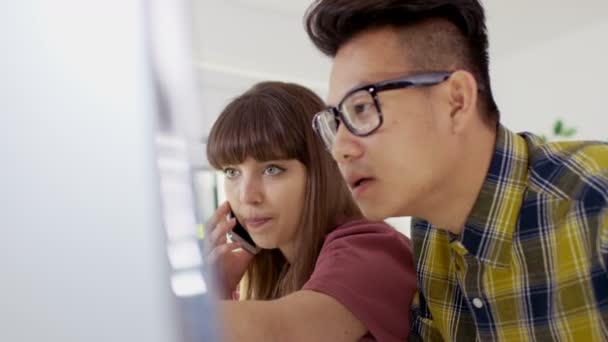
[{"x": 92, "y": 184}]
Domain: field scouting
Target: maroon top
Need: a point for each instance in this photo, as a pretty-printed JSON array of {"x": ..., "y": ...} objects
[{"x": 368, "y": 268}]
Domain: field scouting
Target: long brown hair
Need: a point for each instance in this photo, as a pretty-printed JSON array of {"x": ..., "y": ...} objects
[{"x": 272, "y": 121}]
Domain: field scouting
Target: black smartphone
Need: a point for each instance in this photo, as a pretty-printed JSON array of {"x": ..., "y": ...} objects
[{"x": 240, "y": 234}]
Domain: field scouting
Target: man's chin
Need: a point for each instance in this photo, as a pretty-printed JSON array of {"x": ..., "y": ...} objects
[{"x": 373, "y": 213}]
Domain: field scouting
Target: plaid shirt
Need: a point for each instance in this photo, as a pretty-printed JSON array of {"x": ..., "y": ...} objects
[{"x": 531, "y": 262}]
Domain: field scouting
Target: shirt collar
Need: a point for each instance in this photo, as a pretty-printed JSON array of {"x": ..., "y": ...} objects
[{"x": 488, "y": 232}]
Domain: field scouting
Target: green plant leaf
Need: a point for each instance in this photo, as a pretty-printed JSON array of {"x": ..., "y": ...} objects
[
  {"x": 569, "y": 132},
  {"x": 557, "y": 127}
]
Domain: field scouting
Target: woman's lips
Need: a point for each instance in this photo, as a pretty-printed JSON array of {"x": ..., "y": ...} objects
[{"x": 257, "y": 223}]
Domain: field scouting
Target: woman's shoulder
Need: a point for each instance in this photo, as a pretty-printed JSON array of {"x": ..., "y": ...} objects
[
  {"x": 364, "y": 232},
  {"x": 357, "y": 251},
  {"x": 362, "y": 226}
]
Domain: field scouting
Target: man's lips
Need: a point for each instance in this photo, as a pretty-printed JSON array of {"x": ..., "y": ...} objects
[
  {"x": 356, "y": 181},
  {"x": 358, "y": 184}
]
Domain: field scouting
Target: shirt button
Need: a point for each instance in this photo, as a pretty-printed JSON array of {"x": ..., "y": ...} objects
[{"x": 477, "y": 303}]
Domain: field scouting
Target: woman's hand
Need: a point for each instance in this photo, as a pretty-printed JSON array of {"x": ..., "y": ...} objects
[{"x": 228, "y": 260}]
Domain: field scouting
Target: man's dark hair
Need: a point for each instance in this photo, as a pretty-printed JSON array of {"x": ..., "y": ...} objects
[{"x": 453, "y": 32}]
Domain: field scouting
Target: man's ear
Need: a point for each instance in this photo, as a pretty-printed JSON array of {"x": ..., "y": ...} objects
[{"x": 462, "y": 98}]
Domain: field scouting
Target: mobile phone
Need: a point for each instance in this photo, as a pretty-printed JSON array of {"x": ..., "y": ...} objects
[{"x": 240, "y": 234}]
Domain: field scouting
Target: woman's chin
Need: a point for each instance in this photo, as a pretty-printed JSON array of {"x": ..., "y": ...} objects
[{"x": 264, "y": 244}]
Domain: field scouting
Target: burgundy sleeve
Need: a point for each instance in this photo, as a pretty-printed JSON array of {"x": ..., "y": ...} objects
[{"x": 368, "y": 268}]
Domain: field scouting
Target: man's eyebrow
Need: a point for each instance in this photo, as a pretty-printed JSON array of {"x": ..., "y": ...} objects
[{"x": 358, "y": 85}]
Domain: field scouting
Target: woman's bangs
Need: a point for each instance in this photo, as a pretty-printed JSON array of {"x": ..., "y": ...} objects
[{"x": 251, "y": 132}]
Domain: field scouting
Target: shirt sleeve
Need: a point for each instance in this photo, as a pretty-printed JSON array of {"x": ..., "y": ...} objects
[
  {"x": 599, "y": 155},
  {"x": 368, "y": 268},
  {"x": 594, "y": 159},
  {"x": 603, "y": 240}
]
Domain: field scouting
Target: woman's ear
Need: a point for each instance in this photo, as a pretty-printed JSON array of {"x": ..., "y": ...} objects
[{"x": 462, "y": 92}]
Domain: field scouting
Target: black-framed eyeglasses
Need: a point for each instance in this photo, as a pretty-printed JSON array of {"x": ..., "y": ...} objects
[{"x": 360, "y": 110}]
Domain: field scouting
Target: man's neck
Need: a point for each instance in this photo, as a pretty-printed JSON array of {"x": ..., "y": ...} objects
[{"x": 456, "y": 197}]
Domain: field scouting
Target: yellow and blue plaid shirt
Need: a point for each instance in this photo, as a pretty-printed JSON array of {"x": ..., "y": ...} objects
[{"x": 532, "y": 260}]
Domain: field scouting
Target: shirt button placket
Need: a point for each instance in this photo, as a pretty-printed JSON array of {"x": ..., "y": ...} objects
[{"x": 477, "y": 303}]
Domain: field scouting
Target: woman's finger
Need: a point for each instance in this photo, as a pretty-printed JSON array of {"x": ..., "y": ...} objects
[
  {"x": 218, "y": 216},
  {"x": 211, "y": 236},
  {"x": 218, "y": 236},
  {"x": 221, "y": 250}
]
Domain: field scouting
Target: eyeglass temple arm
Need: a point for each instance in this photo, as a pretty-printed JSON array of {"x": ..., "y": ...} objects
[{"x": 426, "y": 79}]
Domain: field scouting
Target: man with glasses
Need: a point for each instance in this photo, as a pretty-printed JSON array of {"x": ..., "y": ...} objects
[{"x": 510, "y": 232}]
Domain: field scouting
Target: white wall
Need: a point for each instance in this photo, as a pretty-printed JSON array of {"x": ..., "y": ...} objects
[
  {"x": 564, "y": 77},
  {"x": 258, "y": 39}
]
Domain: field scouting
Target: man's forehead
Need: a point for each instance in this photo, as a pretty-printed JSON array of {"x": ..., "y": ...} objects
[{"x": 370, "y": 57}]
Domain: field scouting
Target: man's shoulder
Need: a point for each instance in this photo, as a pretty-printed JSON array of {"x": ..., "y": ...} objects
[{"x": 571, "y": 170}]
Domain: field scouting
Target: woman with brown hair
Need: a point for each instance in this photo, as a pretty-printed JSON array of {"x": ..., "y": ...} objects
[{"x": 322, "y": 273}]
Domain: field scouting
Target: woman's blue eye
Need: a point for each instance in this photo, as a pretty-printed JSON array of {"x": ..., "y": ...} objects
[
  {"x": 230, "y": 173},
  {"x": 273, "y": 170}
]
